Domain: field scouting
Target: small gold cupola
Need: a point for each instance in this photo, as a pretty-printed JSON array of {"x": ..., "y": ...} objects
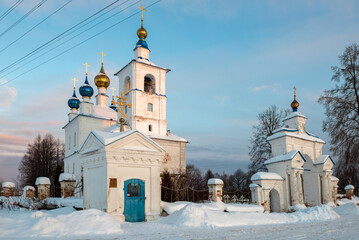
[
  {"x": 295, "y": 103},
  {"x": 101, "y": 79},
  {"x": 142, "y": 32}
]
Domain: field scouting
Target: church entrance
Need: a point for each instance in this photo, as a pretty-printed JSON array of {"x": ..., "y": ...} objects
[
  {"x": 134, "y": 200},
  {"x": 274, "y": 201}
]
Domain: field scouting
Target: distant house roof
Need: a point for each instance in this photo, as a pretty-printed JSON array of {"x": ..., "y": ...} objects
[
  {"x": 285, "y": 157},
  {"x": 266, "y": 176}
]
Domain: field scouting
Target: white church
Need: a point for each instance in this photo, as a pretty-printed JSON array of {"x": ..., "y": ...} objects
[
  {"x": 298, "y": 173},
  {"x": 119, "y": 171}
]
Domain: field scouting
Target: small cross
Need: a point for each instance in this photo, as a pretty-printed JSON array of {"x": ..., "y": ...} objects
[
  {"x": 113, "y": 91},
  {"x": 75, "y": 80},
  {"x": 120, "y": 104},
  {"x": 102, "y": 54},
  {"x": 86, "y": 65},
  {"x": 294, "y": 92},
  {"x": 142, "y": 9}
]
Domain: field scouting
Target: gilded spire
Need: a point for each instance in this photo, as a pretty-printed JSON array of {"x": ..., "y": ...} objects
[
  {"x": 295, "y": 103},
  {"x": 74, "y": 80},
  {"x": 141, "y": 32}
]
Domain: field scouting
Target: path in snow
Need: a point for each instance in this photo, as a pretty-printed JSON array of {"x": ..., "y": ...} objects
[{"x": 342, "y": 228}]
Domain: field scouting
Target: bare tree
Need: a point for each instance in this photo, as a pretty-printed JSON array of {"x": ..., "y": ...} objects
[
  {"x": 42, "y": 158},
  {"x": 194, "y": 178},
  {"x": 342, "y": 109},
  {"x": 260, "y": 149}
]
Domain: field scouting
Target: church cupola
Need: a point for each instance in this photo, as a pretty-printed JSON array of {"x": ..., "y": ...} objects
[
  {"x": 295, "y": 103},
  {"x": 141, "y": 50},
  {"x": 102, "y": 82},
  {"x": 86, "y": 91},
  {"x": 74, "y": 102}
]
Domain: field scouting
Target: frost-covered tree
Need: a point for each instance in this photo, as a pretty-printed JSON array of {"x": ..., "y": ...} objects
[
  {"x": 42, "y": 158},
  {"x": 260, "y": 149},
  {"x": 342, "y": 110}
]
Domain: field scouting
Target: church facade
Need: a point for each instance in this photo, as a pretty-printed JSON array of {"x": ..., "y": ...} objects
[
  {"x": 118, "y": 166},
  {"x": 298, "y": 173}
]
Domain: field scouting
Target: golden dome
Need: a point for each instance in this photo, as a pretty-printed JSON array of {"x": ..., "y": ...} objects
[
  {"x": 294, "y": 104},
  {"x": 142, "y": 33},
  {"x": 101, "y": 79}
]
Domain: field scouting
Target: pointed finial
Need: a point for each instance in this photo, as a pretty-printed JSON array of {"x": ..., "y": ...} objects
[
  {"x": 74, "y": 80},
  {"x": 294, "y": 92},
  {"x": 142, "y": 9},
  {"x": 86, "y": 65},
  {"x": 102, "y": 54}
]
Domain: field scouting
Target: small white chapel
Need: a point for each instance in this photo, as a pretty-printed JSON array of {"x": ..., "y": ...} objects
[
  {"x": 117, "y": 151},
  {"x": 298, "y": 173}
]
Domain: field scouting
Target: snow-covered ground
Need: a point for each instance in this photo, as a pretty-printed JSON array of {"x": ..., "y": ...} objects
[{"x": 186, "y": 221}]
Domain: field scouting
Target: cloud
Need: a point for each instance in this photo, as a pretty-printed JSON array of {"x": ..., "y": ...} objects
[
  {"x": 270, "y": 87},
  {"x": 13, "y": 140},
  {"x": 7, "y": 94}
]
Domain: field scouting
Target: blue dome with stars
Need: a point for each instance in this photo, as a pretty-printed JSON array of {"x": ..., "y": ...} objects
[
  {"x": 74, "y": 102},
  {"x": 113, "y": 107},
  {"x": 86, "y": 90},
  {"x": 142, "y": 43}
]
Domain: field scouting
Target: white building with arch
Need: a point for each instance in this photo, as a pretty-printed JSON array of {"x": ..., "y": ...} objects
[{"x": 298, "y": 173}]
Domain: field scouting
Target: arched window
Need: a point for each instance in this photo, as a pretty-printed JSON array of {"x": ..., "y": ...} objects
[
  {"x": 149, "y": 84},
  {"x": 69, "y": 142},
  {"x": 150, "y": 107},
  {"x": 127, "y": 87},
  {"x": 150, "y": 128}
]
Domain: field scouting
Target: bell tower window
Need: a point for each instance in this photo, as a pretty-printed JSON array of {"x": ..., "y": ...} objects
[
  {"x": 150, "y": 107},
  {"x": 127, "y": 85},
  {"x": 149, "y": 84}
]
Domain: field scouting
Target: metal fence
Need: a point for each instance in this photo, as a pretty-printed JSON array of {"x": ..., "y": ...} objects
[
  {"x": 240, "y": 196},
  {"x": 184, "y": 194}
]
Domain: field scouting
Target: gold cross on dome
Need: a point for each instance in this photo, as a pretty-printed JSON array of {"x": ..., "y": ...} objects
[
  {"x": 120, "y": 104},
  {"x": 74, "y": 80},
  {"x": 113, "y": 92},
  {"x": 86, "y": 65},
  {"x": 102, "y": 54},
  {"x": 294, "y": 91},
  {"x": 142, "y": 9}
]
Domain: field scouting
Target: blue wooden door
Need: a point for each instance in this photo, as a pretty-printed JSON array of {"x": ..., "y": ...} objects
[{"x": 134, "y": 200}]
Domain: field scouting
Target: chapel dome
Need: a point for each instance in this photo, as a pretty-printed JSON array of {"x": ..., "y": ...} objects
[
  {"x": 73, "y": 102},
  {"x": 294, "y": 104},
  {"x": 101, "y": 79},
  {"x": 86, "y": 90},
  {"x": 142, "y": 33}
]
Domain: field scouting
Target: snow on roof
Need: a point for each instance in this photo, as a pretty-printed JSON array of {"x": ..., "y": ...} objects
[
  {"x": 292, "y": 115},
  {"x": 29, "y": 188},
  {"x": 285, "y": 157},
  {"x": 304, "y": 136},
  {"x": 285, "y": 129},
  {"x": 146, "y": 61},
  {"x": 349, "y": 187},
  {"x": 322, "y": 159},
  {"x": 109, "y": 137},
  {"x": 215, "y": 181},
  {"x": 104, "y": 112},
  {"x": 42, "y": 180},
  {"x": 333, "y": 178},
  {"x": 67, "y": 177},
  {"x": 8, "y": 185},
  {"x": 266, "y": 176},
  {"x": 253, "y": 185},
  {"x": 168, "y": 136}
]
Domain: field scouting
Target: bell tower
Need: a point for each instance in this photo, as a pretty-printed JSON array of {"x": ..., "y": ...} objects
[{"x": 144, "y": 84}]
